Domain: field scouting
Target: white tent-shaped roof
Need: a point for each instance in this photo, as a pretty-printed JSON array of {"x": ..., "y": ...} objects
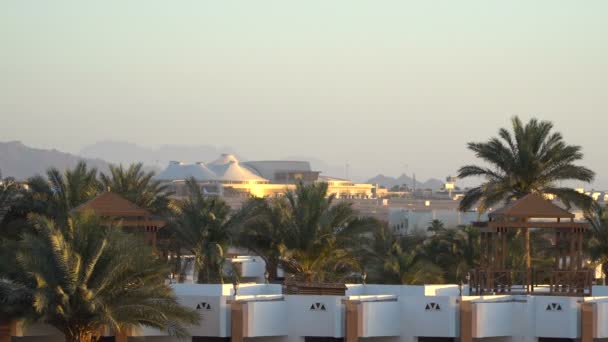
[
  {"x": 181, "y": 171},
  {"x": 234, "y": 172}
]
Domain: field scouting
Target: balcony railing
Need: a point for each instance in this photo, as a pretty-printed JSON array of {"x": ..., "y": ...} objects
[{"x": 549, "y": 282}]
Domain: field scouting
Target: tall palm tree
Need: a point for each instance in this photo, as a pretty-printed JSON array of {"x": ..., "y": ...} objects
[
  {"x": 60, "y": 192},
  {"x": 138, "y": 186},
  {"x": 9, "y": 192},
  {"x": 203, "y": 226},
  {"x": 321, "y": 235},
  {"x": 391, "y": 259},
  {"x": 83, "y": 277},
  {"x": 455, "y": 251},
  {"x": 598, "y": 243},
  {"x": 264, "y": 232},
  {"x": 532, "y": 159}
]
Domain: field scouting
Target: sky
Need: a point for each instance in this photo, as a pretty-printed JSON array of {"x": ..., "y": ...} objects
[{"x": 385, "y": 86}]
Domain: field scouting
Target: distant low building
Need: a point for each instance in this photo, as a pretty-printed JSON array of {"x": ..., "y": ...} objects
[{"x": 235, "y": 181}]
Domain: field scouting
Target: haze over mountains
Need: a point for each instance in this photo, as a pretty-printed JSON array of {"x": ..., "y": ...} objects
[{"x": 20, "y": 161}]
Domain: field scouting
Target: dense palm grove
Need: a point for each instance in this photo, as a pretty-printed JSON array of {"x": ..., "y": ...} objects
[{"x": 71, "y": 271}]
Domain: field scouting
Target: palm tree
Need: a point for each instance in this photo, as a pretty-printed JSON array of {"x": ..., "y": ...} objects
[
  {"x": 202, "y": 225},
  {"x": 61, "y": 192},
  {"x": 9, "y": 192},
  {"x": 598, "y": 243},
  {"x": 138, "y": 186},
  {"x": 263, "y": 233},
  {"x": 455, "y": 251},
  {"x": 83, "y": 277},
  {"x": 391, "y": 259},
  {"x": 320, "y": 235},
  {"x": 532, "y": 159},
  {"x": 435, "y": 226}
]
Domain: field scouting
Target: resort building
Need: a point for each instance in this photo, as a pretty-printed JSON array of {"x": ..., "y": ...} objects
[{"x": 236, "y": 181}]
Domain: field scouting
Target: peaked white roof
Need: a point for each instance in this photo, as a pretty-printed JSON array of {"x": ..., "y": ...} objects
[
  {"x": 234, "y": 172},
  {"x": 180, "y": 171},
  {"x": 224, "y": 159}
]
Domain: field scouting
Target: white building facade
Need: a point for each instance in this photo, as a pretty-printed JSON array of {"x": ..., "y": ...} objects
[{"x": 391, "y": 313}]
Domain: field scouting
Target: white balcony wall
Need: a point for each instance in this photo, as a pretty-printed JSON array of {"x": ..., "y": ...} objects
[
  {"x": 380, "y": 318},
  {"x": 251, "y": 267},
  {"x": 430, "y": 316},
  {"x": 315, "y": 316},
  {"x": 267, "y": 318},
  {"x": 493, "y": 318},
  {"x": 442, "y": 290},
  {"x": 557, "y": 316},
  {"x": 601, "y": 311},
  {"x": 252, "y": 289}
]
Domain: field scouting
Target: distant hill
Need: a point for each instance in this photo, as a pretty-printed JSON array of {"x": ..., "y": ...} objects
[
  {"x": 126, "y": 153},
  {"x": 20, "y": 161},
  {"x": 389, "y": 182}
]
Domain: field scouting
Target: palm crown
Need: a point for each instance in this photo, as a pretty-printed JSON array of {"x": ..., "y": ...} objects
[
  {"x": 531, "y": 159},
  {"x": 84, "y": 276}
]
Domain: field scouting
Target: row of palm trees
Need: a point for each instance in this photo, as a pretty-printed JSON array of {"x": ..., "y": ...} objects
[{"x": 68, "y": 270}]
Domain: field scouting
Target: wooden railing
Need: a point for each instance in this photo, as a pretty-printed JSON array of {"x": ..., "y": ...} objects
[{"x": 549, "y": 282}]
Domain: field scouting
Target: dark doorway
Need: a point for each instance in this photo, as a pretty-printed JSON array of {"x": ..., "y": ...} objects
[
  {"x": 435, "y": 339},
  {"x": 323, "y": 339},
  {"x": 210, "y": 339}
]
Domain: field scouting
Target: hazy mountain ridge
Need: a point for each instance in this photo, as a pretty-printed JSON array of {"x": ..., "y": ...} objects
[
  {"x": 389, "y": 182},
  {"x": 21, "y": 162},
  {"x": 121, "y": 152}
]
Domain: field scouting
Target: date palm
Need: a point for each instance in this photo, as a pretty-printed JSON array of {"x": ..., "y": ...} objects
[
  {"x": 84, "y": 276},
  {"x": 60, "y": 192},
  {"x": 320, "y": 236},
  {"x": 531, "y": 159},
  {"x": 9, "y": 193},
  {"x": 136, "y": 185},
  {"x": 263, "y": 233},
  {"x": 598, "y": 242},
  {"x": 202, "y": 226}
]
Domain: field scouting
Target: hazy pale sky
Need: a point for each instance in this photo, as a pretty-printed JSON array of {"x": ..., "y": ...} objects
[{"x": 379, "y": 84}]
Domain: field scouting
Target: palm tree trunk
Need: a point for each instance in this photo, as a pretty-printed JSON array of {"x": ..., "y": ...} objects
[
  {"x": 79, "y": 335},
  {"x": 271, "y": 268}
]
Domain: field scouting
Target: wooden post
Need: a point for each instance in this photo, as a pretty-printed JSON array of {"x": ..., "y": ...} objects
[
  {"x": 122, "y": 335},
  {"x": 588, "y": 322},
  {"x": 572, "y": 254},
  {"x": 5, "y": 332},
  {"x": 579, "y": 259},
  {"x": 238, "y": 321},
  {"x": 528, "y": 258},
  {"x": 353, "y": 321},
  {"x": 466, "y": 321}
]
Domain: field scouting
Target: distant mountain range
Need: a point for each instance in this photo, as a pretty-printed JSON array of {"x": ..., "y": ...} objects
[
  {"x": 21, "y": 162},
  {"x": 389, "y": 182},
  {"x": 120, "y": 152}
]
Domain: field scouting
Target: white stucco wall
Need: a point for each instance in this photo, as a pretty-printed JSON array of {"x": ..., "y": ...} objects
[
  {"x": 267, "y": 318},
  {"x": 381, "y": 318},
  {"x": 440, "y": 320},
  {"x": 303, "y": 321},
  {"x": 564, "y": 323}
]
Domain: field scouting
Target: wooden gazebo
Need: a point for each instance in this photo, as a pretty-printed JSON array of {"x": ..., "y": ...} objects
[
  {"x": 115, "y": 209},
  {"x": 568, "y": 276}
]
